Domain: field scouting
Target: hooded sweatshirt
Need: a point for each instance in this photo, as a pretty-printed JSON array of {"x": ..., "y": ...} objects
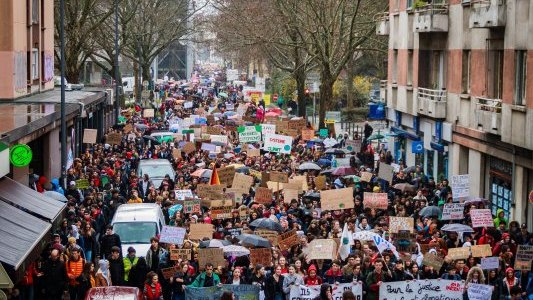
[
  {"x": 497, "y": 220},
  {"x": 312, "y": 280},
  {"x": 103, "y": 275}
]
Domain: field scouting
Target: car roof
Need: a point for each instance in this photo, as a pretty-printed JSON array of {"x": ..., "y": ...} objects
[
  {"x": 158, "y": 161},
  {"x": 137, "y": 212}
]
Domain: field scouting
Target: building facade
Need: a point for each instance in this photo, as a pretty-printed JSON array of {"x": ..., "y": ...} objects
[{"x": 459, "y": 96}]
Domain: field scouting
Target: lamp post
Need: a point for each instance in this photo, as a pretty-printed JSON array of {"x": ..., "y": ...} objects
[
  {"x": 63, "y": 120},
  {"x": 117, "y": 79}
]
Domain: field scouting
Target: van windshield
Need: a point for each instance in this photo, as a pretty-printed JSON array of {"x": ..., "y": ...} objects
[
  {"x": 135, "y": 232},
  {"x": 156, "y": 171}
]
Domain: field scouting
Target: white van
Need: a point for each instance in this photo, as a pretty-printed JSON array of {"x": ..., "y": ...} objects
[
  {"x": 156, "y": 169},
  {"x": 136, "y": 224},
  {"x": 128, "y": 83}
]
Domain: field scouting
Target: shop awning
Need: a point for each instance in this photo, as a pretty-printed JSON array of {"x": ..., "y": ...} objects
[
  {"x": 30, "y": 200},
  {"x": 20, "y": 233},
  {"x": 405, "y": 134}
]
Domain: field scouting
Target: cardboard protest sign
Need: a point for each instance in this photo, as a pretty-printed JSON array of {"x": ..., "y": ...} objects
[
  {"x": 270, "y": 235},
  {"x": 191, "y": 206},
  {"x": 128, "y": 128},
  {"x": 253, "y": 152},
  {"x": 114, "y": 138},
  {"x": 298, "y": 124},
  {"x": 263, "y": 195},
  {"x": 366, "y": 176},
  {"x": 460, "y": 185},
  {"x": 481, "y": 250},
  {"x": 225, "y": 175},
  {"x": 211, "y": 255},
  {"x": 206, "y": 191},
  {"x": 198, "y": 231},
  {"x": 176, "y": 254},
  {"x": 242, "y": 183},
  {"x": 291, "y": 186},
  {"x": 211, "y": 130},
  {"x": 89, "y": 136},
  {"x": 336, "y": 199},
  {"x": 354, "y": 145},
  {"x": 322, "y": 249},
  {"x": 308, "y": 134},
  {"x": 279, "y": 177},
  {"x": 302, "y": 180},
  {"x": 261, "y": 256},
  {"x": 490, "y": 263},
  {"x": 148, "y": 113},
  {"x": 459, "y": 253},
  {"x": 385, "y": 172},
  {"x": 189, "y": 148},
  {"x": 172, "y": 235},
  {"x": 401, "y": 223},
  {"x": 289, "y": 194},
  {"x": 477, "y": 291},
  {"x": 287, "y": 240},
  {"x": 481, "y": 218},
  {"x": 320, "y": 182},
  {"x": 221, "y": 212},
  {"x": 168, "y": 272},
  {"x": 310, "y": 292},
  {"x": 428, "y": 289},
  {"x": 282, "y": 126},
  {"x": 176, "y": 153},
  {"x": 524, "y": 256},
  {"x": 433, "y": 261},
  {"x": 453, "y": 211},
  {"x": 375, "y": 200}
]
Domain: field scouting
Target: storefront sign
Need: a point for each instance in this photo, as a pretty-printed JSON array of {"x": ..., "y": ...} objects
[{"x": 20, "y": 155}]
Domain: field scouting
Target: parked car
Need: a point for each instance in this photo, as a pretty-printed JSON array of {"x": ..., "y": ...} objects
[{"x": 68, "y": 86}]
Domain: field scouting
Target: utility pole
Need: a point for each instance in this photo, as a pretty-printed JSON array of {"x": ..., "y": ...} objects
[
  {"x": 117, "y": 79},
  {"x": 63, "y": 118}
]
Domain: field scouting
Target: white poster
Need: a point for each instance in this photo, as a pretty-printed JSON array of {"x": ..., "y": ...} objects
[
  {"x": 249, "y": 134},
  {"x": 222, "y": 139},
  {"x": 304, "y": 292},
  {"x": 422, "y": 289},
  {"x": 460, "y": 186},
  {"x": 278, "y": 143},
  {"x": 453, "y": 211},
  {"x": 182, "y": 194},
  {"x": 479, "y": 291},
  {"x": 268, "y": 129}
]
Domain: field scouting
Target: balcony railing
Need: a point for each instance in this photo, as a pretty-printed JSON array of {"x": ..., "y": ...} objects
[
  {"x": 489, "y": 115},
  {"x": 382, "y": 24},
  {"x": 432, "y": 103},
  {"x": 432, "y": 17},
  {"x": 488, "y": 13}
]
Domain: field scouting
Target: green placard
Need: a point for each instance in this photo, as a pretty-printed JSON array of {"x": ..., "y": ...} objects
[
  {"x": 82, "y": 183},
  {"x": 323, "y": 132},
  {"x": 185, "y": 131},
  {"x": 20, "y": 155}
]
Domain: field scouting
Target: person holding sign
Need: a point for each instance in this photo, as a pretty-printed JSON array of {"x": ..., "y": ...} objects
[
  {"x": 291, "y": 279},
  {"x": 207, "y": 278},
  {"x": 376, "y": 278}
]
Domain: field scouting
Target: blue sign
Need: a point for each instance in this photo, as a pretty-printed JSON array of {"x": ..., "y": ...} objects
[{"x": 417, "y": 147}]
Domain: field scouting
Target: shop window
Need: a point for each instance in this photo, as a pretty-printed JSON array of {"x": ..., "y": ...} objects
[
  {"x": 520, "y": 77},
  {"x": 500, "y": 196}
]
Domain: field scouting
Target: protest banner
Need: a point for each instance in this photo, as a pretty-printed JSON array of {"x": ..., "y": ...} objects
[
  {"x": 82, "y": 184},
  {"x": 490, "y": 263},
  {"x": 209, "y": 147},
  {"x": 366, "y": 176},
  {"x": 183, "y": 194},
  {"x": 261, "y": 256},
  {"x": 114, "y": 138},
  {"x": 311, "y": 292},
  {"x": 253, "y": 152},
  {"x": 191, "y": 206},
  {"x": 184, "y": 254},
  {"x": 207, "y": 191},
  {"x": 217, "y": 203},
  {"x": 89, "y": 136},
  {"x": 188, "y": 148},
  {"x": 375, "y": 200},
  {"x": 172, "y": 235},
  {"x": 427, "y": 289},
  {"x": 242, "y": 183},
  {"x": 524, "y": 256},
  {"x": 453, "y": 211},
  {"x": 289, "y": 194},
  {"x": 481, "y": 218},
  {"x": 291, "y": 186},
  {"x": 320, "y": 182},
  {"x": 481, "y": 250},
  {"x": 225, "y": 175},
  {"x": 279, "y": 177},
  {"x": 336, "y": 199},
  {"x": 308, "y": 134},
  {"x": 278, "y": 143},
  {"x": 249, "y": 134},
  {"x": 270, "y": 235},
  {"x": 263, "y": 195},
  {"x": 287, "y": 240},
  {"x": 298, "y": 124},
  {"x": 198, "y": 231},
  {"x": 460, "y": 185},
  {"x": 322, "y": 249},
  {"x": 385, "y": 172},
  {"x": 354, "y": 145},
  {"x": 168, "y": 272},
  {"x": 433, "y": 261},
  {"x": 477, "y": 291},
  {"x": 241, "y": 292},
  {"x": 401, "y": 223},
  {"x": 221, "y": 212},
  {"x": 211, "y": 130},
  {"x": 211, "y": 255},
  {"x": 268, "y": 129},
  {"x": 458, "y": 253},
  {"x": 301, "y": 180}
]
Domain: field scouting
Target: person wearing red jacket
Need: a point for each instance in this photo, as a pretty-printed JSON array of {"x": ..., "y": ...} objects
[
  {"x": 152, "y": 287},
  {"x": 486, "y": 239},
  {"x": 312, "y": 278},
  {"x": 334, "y": 274},
  {"x": 506, "y": 240}
]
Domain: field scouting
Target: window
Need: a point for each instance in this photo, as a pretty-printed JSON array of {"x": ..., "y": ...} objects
[
  {"x": 34, "y": 63},
  {"x": 409, "y": 67},
  {"x": 395, "y": 66},
  {"x": 465, "y": 72},
  {"x": 410, "y": 4},
  {"x": 520, "y": 77},
  {"x": 35, "y": 11}
]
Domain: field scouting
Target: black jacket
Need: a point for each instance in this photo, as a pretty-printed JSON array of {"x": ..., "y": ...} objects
[
  {"x": 272, "y": 287},
  {"x": 116, "y": 267},
  {"x": 55, "y": 277},
  {"x": 107, "y": 242}
]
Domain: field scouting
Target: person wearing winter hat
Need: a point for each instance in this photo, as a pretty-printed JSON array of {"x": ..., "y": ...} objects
[
  {"x": 509, "y": 284},
  {"x": 103, "y": 276},
  {"x": 312, "y": 278}
]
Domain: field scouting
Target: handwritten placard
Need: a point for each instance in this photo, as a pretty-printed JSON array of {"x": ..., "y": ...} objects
[
  {"x": 89, "y": 136},
  {"x": 279, "y": 177},
  {"x": 172, "y": 235},
  {"x": 320, "y": 182},
  {"x": 524, "y": 257},
  {"x": 253, "y": 152},
  {"x": 322, "y": 249},
  {"x": 401, "y": 223},
  {"x": 211, "y": 255},
  {"x": 221, "y": 212},
  {"x": 460, "y": 185},
  {"x": 287, "y": 240},
  {"x": 206, "y": 191},
  {"x": 168, "y": 272},
  {"x": 481, "y": 218},
  {"x": 261, "y": 256},
  {"x": 191, "y": 206},
  {"x": 148, "y": 113},
  {"x": 385, "y": 172},
  {"x": 366, "y": 176},
  {"x": 427, "y": 289},
  {"x": 433, "y": 261},
  {"x": 176, "y": 254},
  {"x": 336, "y": 199},
  {"x": 490, "y": 263},
  {"x": 459, "y": 253},
  {"x": 198, "y": 231},
  {"x": 375, "y": 200},
  {"x": 189, "y": 148},
  {"x": 481, "y": 250},
  {"x": 453, "y": 211},
  {"x": 242, "y": 183},
  {"x": 302, "y": 180},
  {"x": 289, "y": 194},
  {"x": 226, "y": 175},
  {"x": 270, "y": 235},
  {"x": 114, "y": 138},
  {"x": 263, "y": 195}
]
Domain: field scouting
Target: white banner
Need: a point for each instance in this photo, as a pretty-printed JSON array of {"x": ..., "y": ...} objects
[
  {"x": 422, "y": 289},
  {"x": 278, "y": 143},
  {"x": 460, "y": 186},
  {"x": 223, "y": 139},
  {"x": 453, "y": 211},
  {"x": 479, "y": 291},
  {"x": 304, "y": 292},
  {"x": 268, "y": 129}
]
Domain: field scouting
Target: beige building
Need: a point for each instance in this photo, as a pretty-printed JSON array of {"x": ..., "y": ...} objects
[{"x": 458, "y": 90}]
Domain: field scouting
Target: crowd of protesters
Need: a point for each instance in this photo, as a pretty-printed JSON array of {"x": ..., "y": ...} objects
[{"x": 85, "y": 252}]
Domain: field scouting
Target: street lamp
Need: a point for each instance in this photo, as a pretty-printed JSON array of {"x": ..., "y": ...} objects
[
  {"x": 117, "y": 106},
  {"x": 62, "y": 68}
]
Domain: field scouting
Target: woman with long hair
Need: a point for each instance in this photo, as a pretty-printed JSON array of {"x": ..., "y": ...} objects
[
  {"x": 274, "y": 285},
  {"x": 509, "y": 284},
  {"x": 326, "y": 292},
  {"x": 88, "y": 237},
  {"x": 236, "y": 277},
  {"x": 152, "y": 287},
  {"x": 86, "y": 279},
  {"x": 475, "y": 275}
]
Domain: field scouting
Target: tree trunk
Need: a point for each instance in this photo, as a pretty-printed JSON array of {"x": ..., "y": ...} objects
[
  {"x": 299, "y": 76},
  {"x": 349, "y": 83},
  {"x": 326, "y": 94},
  {"x": 136, "y": 76}
]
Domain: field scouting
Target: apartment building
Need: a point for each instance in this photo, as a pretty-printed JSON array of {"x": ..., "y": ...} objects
[{"x": 459, "y": 97}]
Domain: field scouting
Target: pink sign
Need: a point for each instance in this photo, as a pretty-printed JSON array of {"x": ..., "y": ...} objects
[{"x": 481, "y": 218}]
